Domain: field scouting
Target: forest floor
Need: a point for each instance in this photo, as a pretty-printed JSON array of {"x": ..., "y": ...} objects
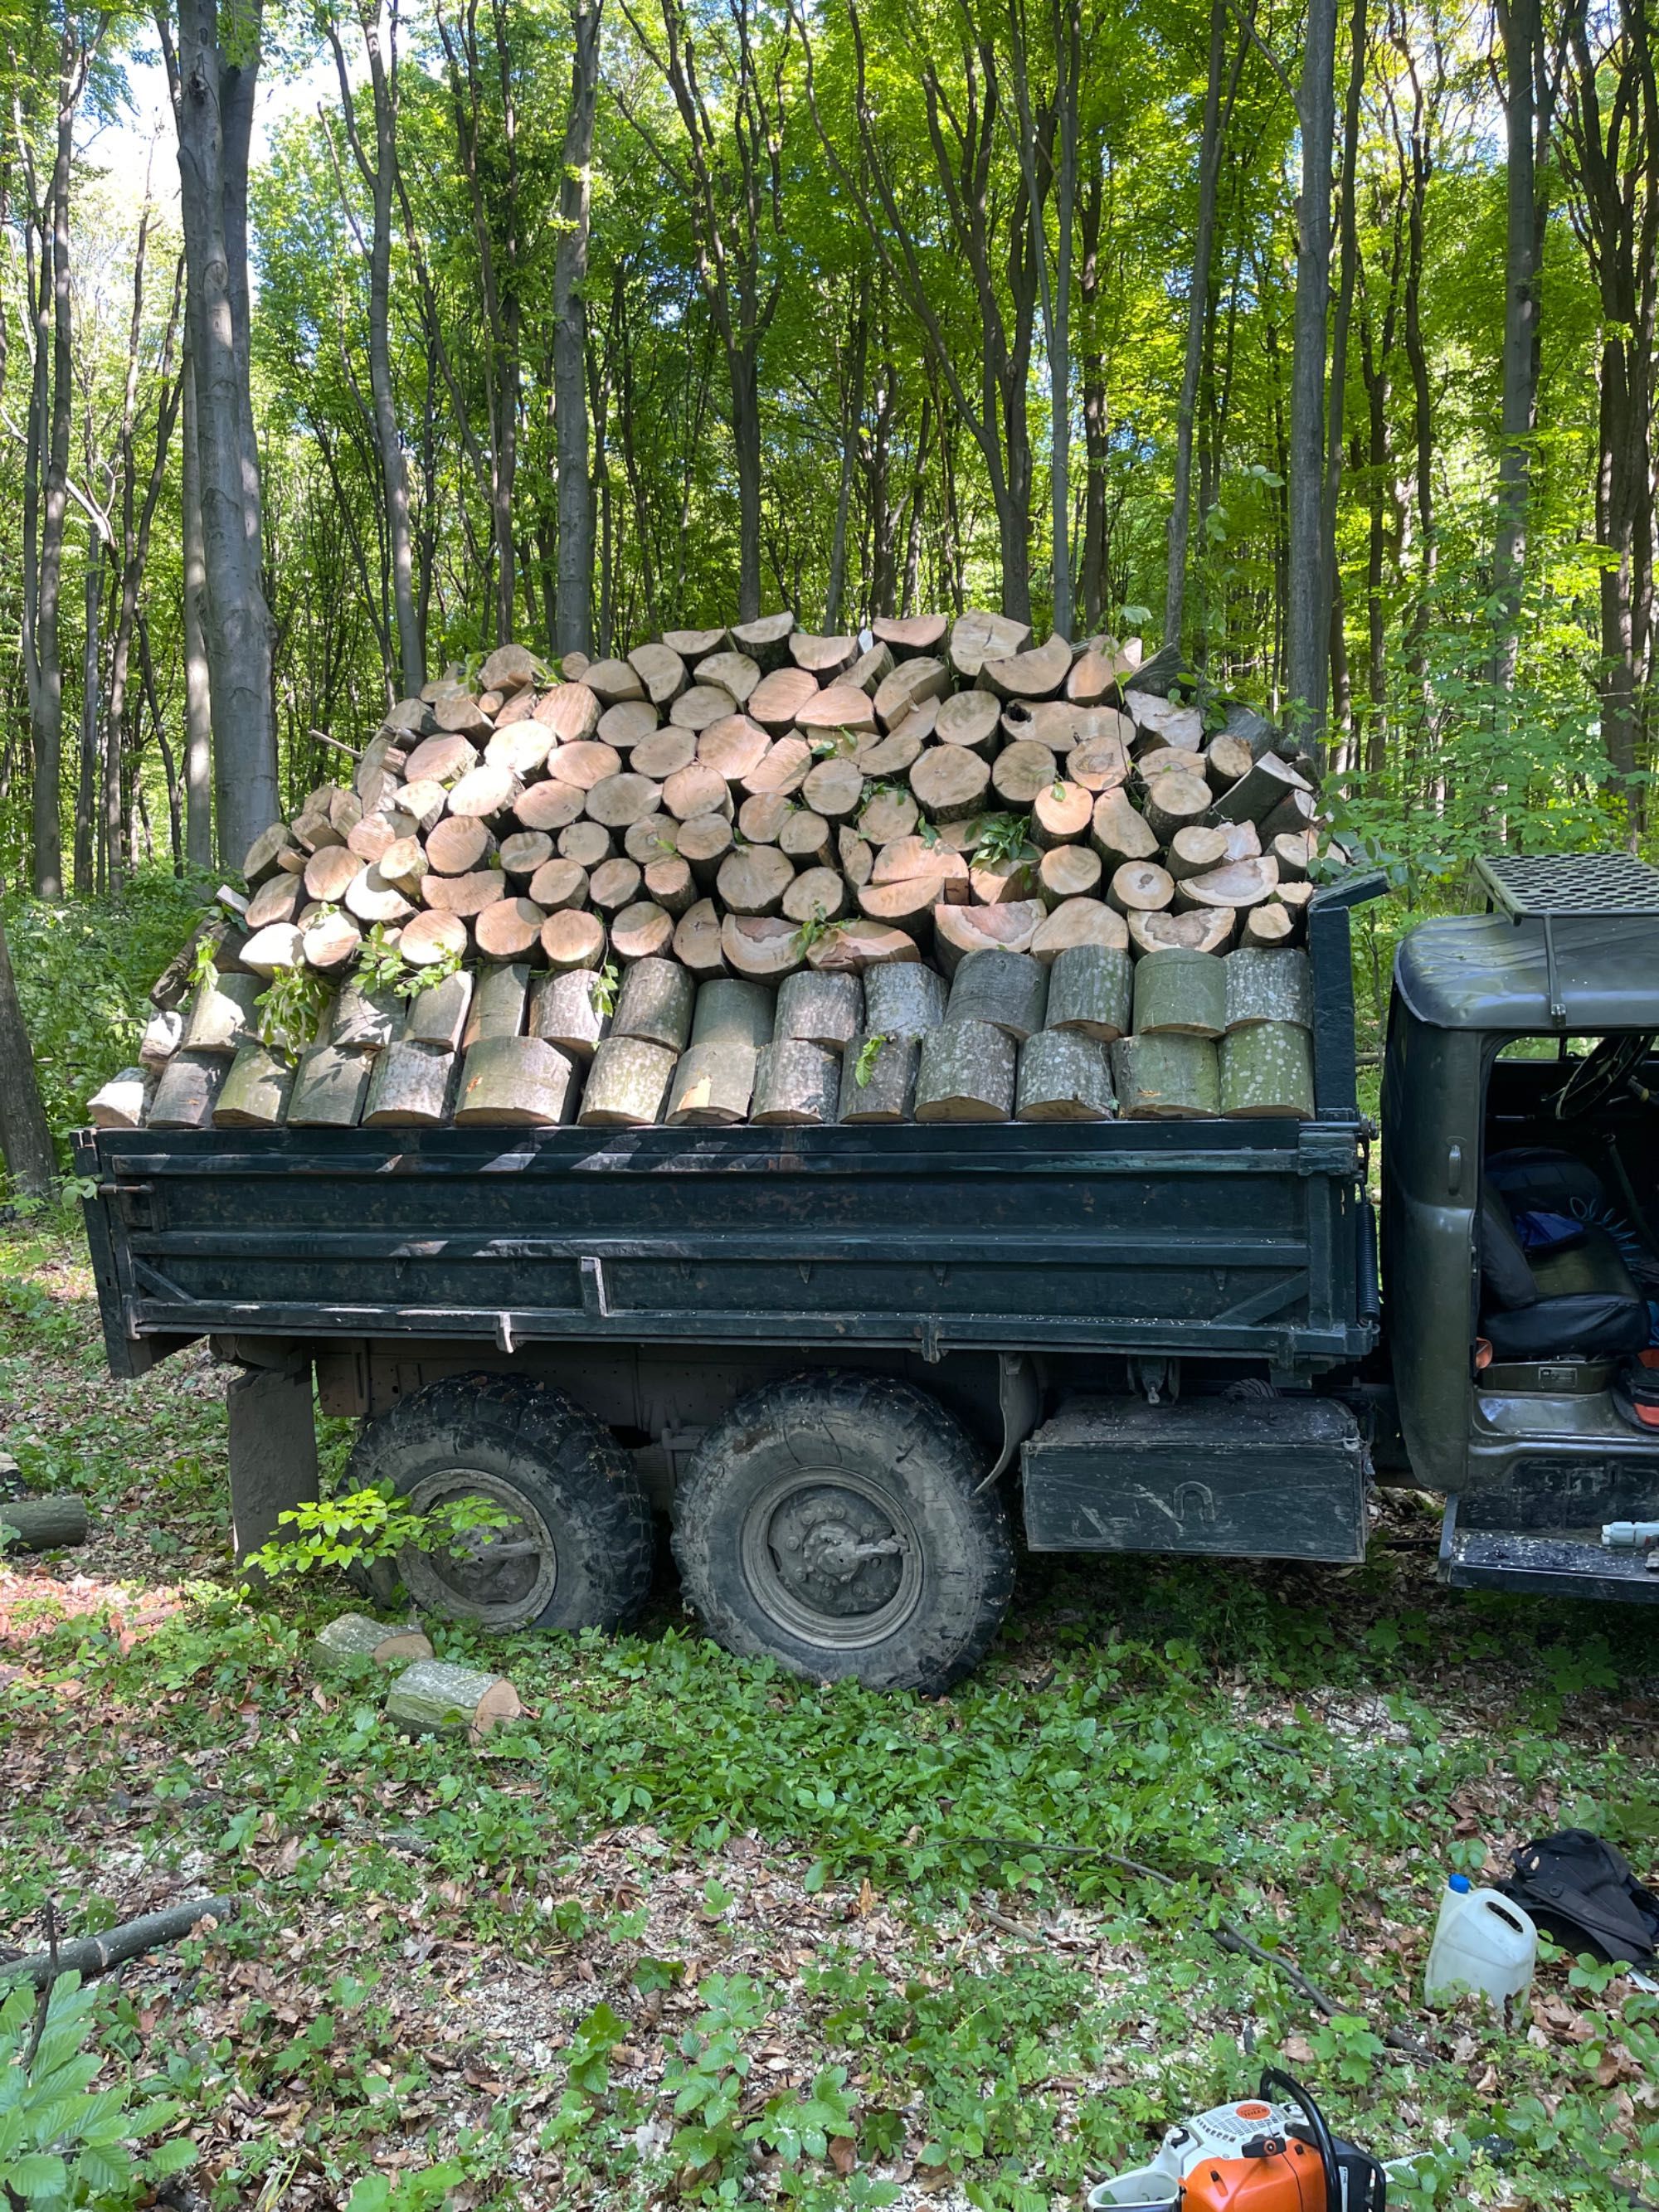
[{"x": 695, "y": 1933}]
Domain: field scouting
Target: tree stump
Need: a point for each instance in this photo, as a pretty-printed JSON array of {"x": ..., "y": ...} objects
[
  {"x": 330, "y": 1086},
  {"x": 713, "y": 1085},
  {"x": 1266, "y": 1069},
  {"x": 517, "y": 1082},
  {"x": 655, "y": 1003},
  {"x": 730, "y": 1011},
  {"x": 1007, "y": 989},
  {"x": 410, "y": 1087},
  {"x": 438, "y": 1014},
  {"x": 795, "y": 1084},
  {"x": 878, "y": 1073},
  {"x": 353, "y": 1642},
  {"x": 820, "y": 1009},
  {"x": 1268, "y": 986},
  {"x": 254, "y": 1095},
  {"x": 119, "y": 1103},
  {"x": 435, "y": 1697},
  {"x": 627, "y": 1084},
  {"x": 1064, "y": 1075},
  {"x": 1179, "y": 991},
  {"x": 1165, "y": 1077},
  {"x": 1090, "y": 990},
  {"x": 965, "y": 1073}
]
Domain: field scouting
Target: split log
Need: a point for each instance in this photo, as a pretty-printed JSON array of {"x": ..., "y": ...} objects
[
  {"x": 668, "y": 882},
  {"x": 516, "y": 1082},
  {"x": 1008, "y": 989},
  {"x": 410, "y": 1087},
  {"x": 786, "y": 767},
  {"x": 878, "y": 1073},
  {"x": 614, "y": 884},
  {"x": 796, "y": 1084},
  {"x": 965, "y": 1073},
  {"x": 1068, "y": 872},
  {"x": 856, "y": 859},
  {"x": 373, "y": 897},
  {"x": 52, "y": 1523},
  {"x": 119, "y": 1103},
  {"x": 777, "y": 699},
  {"x": 559, "y": 884},
  {"x": 330, "y": 1086},
  {"x": 906, "y": 905},
  {"x": 627, "y": 1084},
  {"x": 565, "y": 1012},
  {"x": 435, "y": 1697},
  {"x": 1167, "y": 719},
  {"x": 950, "y": 782},
  {"x": 255, "y": 1093},
  {"x": 509, "y": 929},
  {"x": 572, "y": 940},
  {"x": 611, "y": 681},
  {"x": 164, "y": 1033},
  {"x": 458, "y": 845},
  {"x": 734, "y": 746},
  {"x": 872, "y": 669},
  {"x": 907, "y": 634},
  {"x": 1139, "y": 887},
  {"x": 1266, "y": 1068},
  {"x": 1227, "y": 761},
  {"x": 858, "y": 945},
  {"x": 1061, "y": 811},
  {"x": 960, "y": 930},
  {"x": 1000, "y": 883},
  {"x": 839, "y": 710},
  {"x": 693, "y": 644},
  {"x": 221, "y": 1012},
  {"x": 499, "y": 999},
  {"x": 767, "y": 640},
  {"x": 1097, "y": 674},
  {"x": 430, "y": 939},
  {"x": 438, "y": 1014},
  {"x": 186, "y": 1090},
  {"x": 458, "y": 710},
  {"x": 1091, "y": 989},
  {"x": 736, "y": 672},
  {"x": 697, "y": 942},
  {"x": 1166, "y": 1078},
  {"x": 907, "y": 859},
  {"x": 821, "y": 657},
  {"x": 1118, "y": 833},
  {"x": 898, "y": 754},
  {"x": 354, "y": 1640},
  {"x": 1239, "y": 884},
  {"x": 970, "y": 721},
  {"x": 1205, "y": 929},
  {"x": 730, "y": 1011},
  {"x": 313, "y": 830},
  {"x": 816, "y": 895},
  {"x": 461, "y": 897},
  {"x": 902, "y": 1000},
  {"x": 663, "y": 754},
  {"x": 661, "y": 671},
  {"x": 1064, "y": 1077},
  {"x": 821, "y": 1009},
  {"x": 1268, "y": 986},
  {"x": 1173, "y": 801},
  {"x": 1078, "y": 921},
  {"x": 260, "y": 859},
  {"x": 923, "y": 676},
  {"x": 330, "y": 942},
  {"x": 551, "y": 805},
  {"x": 835, "y": 789},
  {"x": 1038, "y": 674},
  {"x": 655, "y": 1003},
  {"x": 713, "y": 1085},
  {"x": 754, "y": 882},
  {"x": 644, "y": 931},
  {"x": 979, "y": 635},
  {"x": 887, "y": 814},
  {"x": 1254, "y": 798},
  {"x": 1268, "y": 925},
  {"x": 765, "y": 948},
  {"x": 403, "y": 862},
  {"x": 701, "y": 708}
]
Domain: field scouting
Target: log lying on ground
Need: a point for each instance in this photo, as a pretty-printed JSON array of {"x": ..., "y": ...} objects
[
  {"x": 1266, "y": 1068},
  {"x": 353, "y": 1638},
  {"x": 1171, "y": 1077},
  {"x": 878, "y": 1074},
  {"x": 966, "y": 1074},
  {"x": 51, "y": 1523},
  {"x": 436, "y": 1698},
  {"x": 1064, "y": 1077},
  {"x": 89, "y": 1955}
]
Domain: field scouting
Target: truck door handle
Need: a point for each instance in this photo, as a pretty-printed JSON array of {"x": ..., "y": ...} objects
[{"x": 1454, "y": 1170}]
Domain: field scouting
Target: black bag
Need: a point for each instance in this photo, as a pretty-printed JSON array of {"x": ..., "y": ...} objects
[{"x": 1583, "y": 1895}]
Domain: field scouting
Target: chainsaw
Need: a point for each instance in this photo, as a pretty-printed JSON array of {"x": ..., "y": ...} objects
[{"x": 1271, "y": 2152}]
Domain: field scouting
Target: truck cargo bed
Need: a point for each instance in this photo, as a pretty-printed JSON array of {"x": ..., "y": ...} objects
[{"x": 1227, "y": 1239}]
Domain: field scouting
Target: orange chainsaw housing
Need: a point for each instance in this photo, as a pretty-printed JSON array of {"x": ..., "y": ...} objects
[{"x": 1290, "y": 2180}]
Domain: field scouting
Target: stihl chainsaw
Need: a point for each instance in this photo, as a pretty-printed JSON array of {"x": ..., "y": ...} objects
[{"x": 1270, "y": 2152}]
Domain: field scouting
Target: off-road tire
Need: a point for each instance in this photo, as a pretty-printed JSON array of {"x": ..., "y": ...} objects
[
  {"x": 540, "y": 1456},
  {"x": 832, "y": 1460}
]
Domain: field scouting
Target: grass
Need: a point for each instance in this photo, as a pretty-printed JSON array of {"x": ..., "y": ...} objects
[{"x": 693, "y": 1932}]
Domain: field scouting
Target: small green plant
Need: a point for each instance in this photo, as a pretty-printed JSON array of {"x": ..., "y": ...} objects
[
  {"x": 813, "y": 930},
  {"x": 380, "y": 965},
  {"x": 1002, "y": 840},
  {"x": 449, "y": 963},
  {"x": 837, "y": 745},
  {"x": 62, "y": 2142},
  {"x": 602, "y": 990},
  {"x": 374, "y": 1523},
  {"x": 864, "y": 1066},
  {"x": 204, "y": 965},
  {"x": 290, "y": 1006},
  {"x": 405, "y": 2192}
]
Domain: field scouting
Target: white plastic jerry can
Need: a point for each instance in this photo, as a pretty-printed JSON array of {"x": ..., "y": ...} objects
[{"x": 1482, "y": 1941}]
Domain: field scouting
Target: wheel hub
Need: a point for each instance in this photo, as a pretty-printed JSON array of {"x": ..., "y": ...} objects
[
  {"x": 832, "y": 1557},
  {"x": 500, "y": 1577}
]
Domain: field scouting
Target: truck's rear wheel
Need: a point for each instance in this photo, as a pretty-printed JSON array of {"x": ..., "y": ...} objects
[
  {"x": 579, "y": 1552},
  {"x": 830, "y": 1522}
]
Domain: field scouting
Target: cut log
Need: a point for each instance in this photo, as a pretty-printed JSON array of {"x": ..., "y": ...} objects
[
  {"x": 858, "y": 945},
  {"x": 908, "y": 905},
  {"x": 661, "y": 671},
  {"x": 572, "y": 940},
  {"x": 431, "y": 939},
  {"x": 1295, "y": 850},
  {"x": 327, "y": 875},
  {"x": 965, "y": 1073},
  {"x": 1239, "y": 884},
  {"x": 330, "y": 942},
  {"x": 410, "y": 1087},
  {"x": 458, "y": 710},
  {"x": 1097, "y": 674},
  {"x": 279, "y": 897},
  {"x": 1069, "y": 872},
  {"x": 730, "y": 1011},
  {"x": 1270, "y": 924},
  {"x": 611, "y": 681},
  {"x": 372, "y": 896},
  {"x": 653, "y": 837},
  {"x": 779, "y": 698},
  {"x": 52, "y": 1523},
  {"x": 549, "y": 805},
  {"x": 909, "y": 634},
  {"x": 565, "y": 1012},
  {"x": 701, "y": 708},
  {"x": 260, "y": 859},
  {"x": 923, "y": 676},
  {"x": 655, "y": 1003},
  {"x": 644, "y": 931},
  {"x": 1173, "y": 801},
  {"x": 835, "y": 789},
  {"x": 971, "y": 722},
  {"x": 559, "y": 884},
  {"x": 435, "y": 1697},
  {"x": 735, "y": 672},
  {"x": 734, "y": 746},
  {"x": 617, "y": 801},
  {"x": 663, "y": 754},
  {"x": 795, "y": 1085},
  {"x": 520, "y": 752},
  {"x": 1254, "y": 796},
  {"x": 1296, "y": 814},
  {"x": 668, "y": 882},
  {"x": 1008, "y": 989},
  {"x": 816, "y": 895},
  {"x": 854, "y": 856},
  {"x": 1227, "y": 761},
  {"x": 330, "y": 1087},
  {"x": 443, "y": 759},
  {"x": 693, "y": 644},
  {"x": 1118, "y": 833},
  {"x": 1064, "y": 1075},
  {"x": 1061, "y": 811},
  {"x": 119, "y": 1103},
  {"x": 500, "y": 996},
  {"x": 486, "y": 793},
  {"x": 878, "y": 1074},
  {"x": 804, "y": 838},
  {"x": 403, "y": 862},
  {"x": 255, "y": 1093},
  {"x": 697, "y": 943},
  {"x": 312, "y": 831},
  {"x": 1181, "y": 992},
  {"x": 767, "y": 640},
  {"x": 898, "y": 755},
  {"x": 614, "y": 884},
  {"x": 516, "y": 1082},
  {"x": 1139, "y": 887},
  {"x": 960, "y": 930},
  {"x": 760, "y": 819},
  {"x": 754, "y": 882},
  {"x": 461, "y": 896},
  {"x": 872, "y": 669},
  {"x": 821, "y": 657},
  {"x": 1048, "y": 722},
  {"x": 1194, "y": 850},
  {"x": 704, "y": 842},
  {"x": 841, "y": 711},
  {"x": 375, "y": 832},
  {"x": 164, "y": 1032},
  {"x": 272, "y": 950},
  {"x": 998, "y": 883},
  {"x": 1268, "y": 986},
  {"x": 1038, "y": 674},
  {"x": 221, "y": 1012},
  {"x": 713, "y": 1085},
  {"x": 1091, "y": 989},
  {"x": 458, "y": 845},
  {"x": 508, "y": 930},
  {"x": 695, "y": 790},
  {"x": 438, "y": 1014},
  {"x": 354, "y": 1641},
  {"x": 1205, "y": 929},
  {"x": 186, "y": 1089},
  {"x": 1297, "y": 897},
  {"x": 1078, "y": 921},
  {"x": 366, "y": 1019},
  {"x": 821, "y": 1009},
  {"x": 908, "y": 858},
  {"x": 1098, "y": 763},
  {"x": 1021, "y": 770},
  {"x": 763, "y": 947},
  {"x": 979, "y": 635},
  {"x": 1167, "y": 719},
  {"x": 1266, "y": 1068},
  {"x": 627, "y": 1084},
  {"x": 902, "y": 1000},
  {"x": 950, "y": 782},
  {"x": 887, "y": 814},
  {"x": 586, "y": 764},
  {"x": 1166, "y": 1078},
  {"x": 785, "y": 769}
]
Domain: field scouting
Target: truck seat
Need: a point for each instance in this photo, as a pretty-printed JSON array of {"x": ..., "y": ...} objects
[{"x": 1578, "y": 1301}]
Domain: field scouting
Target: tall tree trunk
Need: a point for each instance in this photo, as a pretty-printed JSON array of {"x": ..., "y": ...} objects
[
  {"x": 1521, "y": 24},
  {"x": 573, "y": 618},
  {"x": 918, "y": 498},
  {"x": 198, "y": 703},
  {"x": 851, "y": 418},
  {"x": 1092, "y": 374},
  {"x": 87, "y": 870},
  {"x": 1309, "y": 553},
  {"x": 25, "y": 1138},
  {"x": 1348, "y": 270},
  {"x": 1198, "y": 302}
]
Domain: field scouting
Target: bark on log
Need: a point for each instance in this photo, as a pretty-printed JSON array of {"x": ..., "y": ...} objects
[
  {"x": 713, "y": 1085},
  {"x": 89, "y": 1955},
  {"x": 1091, "y": 989},
  {"x": 509, "y": 929},
  {"x": 438, "y": 1014},
  {"x": 1296, "y": 814},
  {"x": 765, "y": 948},
  {"x": 730, "y": 1011},
  {"x": 353, "y": 1640},
  {"x": 1268, "y": 925},
  {"x": 1239, "y": 883},
  {"x": 858, "y": 945},
  {"x": 255, "y": 1093},
  {"x": 1007, "y": 989},
  {"x": 1118, "y": 833},
  {"x": 1078, "y": 921},
  {"x": 564, "y": 1011},
  {"x": 119, "y": 1103},
  {"x": 260, "y": 859},
  {"x": 644, "y": 931},
  {"x": 1295, "y": 850},
  {"x": 499, "y": 997},
  {"x": 330, "y": 1086},
  {"x": 430, "y": 939},
  {"x": 1139, "y": 887},
  {"x": 878, "y": 1077},
  {"x": 1173, "y": 801},
  {"x": 1166, "y": 1078},
  {"x": 824, "y": 1010},
  {"x": 1064, "y": 1075},
  {"x": 697, "y": 943},
  {"x": 795, "y": 1085},
  {"x": 435, "y": 1697},
  {"x": 164, "y": 1032},
  {"x": 51, "y": 1523},
  {"x": 655, "y": 1003},
  {"x": 1254, "y": 796},
  {"x": 950, "y": 782},
  {"x": 902, "y": 1000},
  {"x": 1227, "y": 761},
  {"x": 185, "y": 1091},
  {"x": 965, "y": 1073},
  {"x": 517, "y": 1082},
  {"x": 627, "y": 1084},
  {"x": 365, "y": 1018},
  {"x": 1266, "y": 1068},
  {"x": 410, "y": 1087},
  {"x": 960, "y": 930},
  {"x": 222, "y": 1013},
  {"x": 1205, "y": 929},
  {"x": 1265, "y": 986},
  {"x": 1181, "y": 992},
  {"x": 816, "y": 895}
]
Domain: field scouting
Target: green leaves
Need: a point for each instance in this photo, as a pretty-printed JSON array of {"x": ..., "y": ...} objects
[{"x": 363, "y": 1525}]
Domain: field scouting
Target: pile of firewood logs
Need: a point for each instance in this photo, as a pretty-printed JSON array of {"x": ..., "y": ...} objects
[{"x": 928, "y": 872}]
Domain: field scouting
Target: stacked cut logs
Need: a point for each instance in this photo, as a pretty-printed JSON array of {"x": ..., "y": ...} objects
[{"x": 930, "y": 872}]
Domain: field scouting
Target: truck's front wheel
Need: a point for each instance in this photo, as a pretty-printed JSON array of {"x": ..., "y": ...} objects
[
  {"x": 577, "y": 1552},
  {"x": 830, "y": 1521}
]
